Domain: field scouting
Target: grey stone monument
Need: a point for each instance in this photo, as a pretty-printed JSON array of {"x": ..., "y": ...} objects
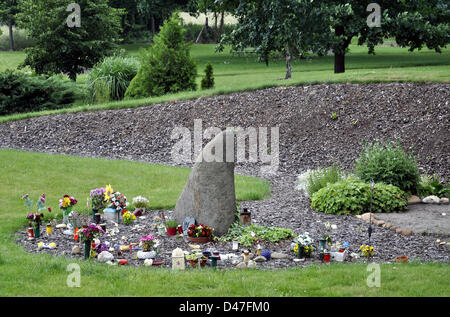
[{"x": 209, "y": 195}]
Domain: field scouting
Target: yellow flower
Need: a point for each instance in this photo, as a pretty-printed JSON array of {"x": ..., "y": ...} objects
[
  {"x": 108, "y": 192},
  {"x": 66, "y": 202}
]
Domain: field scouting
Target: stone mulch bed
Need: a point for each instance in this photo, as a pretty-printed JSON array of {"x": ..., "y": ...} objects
[{"x": 416, "y": 113}]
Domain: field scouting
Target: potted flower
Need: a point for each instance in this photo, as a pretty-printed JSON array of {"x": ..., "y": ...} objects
[
  {"x": 200, "y": 233},
  {"x": 97, "y": 200},
  {"x": 148, "y": 243},
  {"x": 35, "y": 218},
  {"x": 88, "y": 235},
  {"x": 193, "y": 260},
  {"x": 128, "y": 217},
  {"x": 116, "y": 201},
  {"x": 140, "y": 204},
  {"x": 66, "y": 204},
  {"x": 171, "y": 227},
  {"x": 304, "y": 245},
  {"x": 326, "y": 240},
  {"x": 367, "y": 250}
]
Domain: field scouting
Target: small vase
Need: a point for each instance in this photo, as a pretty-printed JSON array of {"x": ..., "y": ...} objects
[
  {"x": 37, "y": 231},
  {"x": 87, "y": 249},
  {"x": 94, "y": 211},
  {"x": 301, "y": 252},
  {"x": 322, "y": 244}
]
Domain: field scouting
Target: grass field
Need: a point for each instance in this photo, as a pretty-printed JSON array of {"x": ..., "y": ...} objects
[
  {"x": 240, "y": 73},
  {"x": 23, "y": 274}
]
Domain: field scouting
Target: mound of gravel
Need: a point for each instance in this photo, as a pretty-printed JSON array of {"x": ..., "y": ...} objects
[{"x": 310, "y": 136}]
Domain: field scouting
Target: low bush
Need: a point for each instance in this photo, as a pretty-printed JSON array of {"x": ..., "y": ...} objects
[
  {"x": 354, "y": 197},
  {"x": 20, "y": 93},
  {"x": 208, "y": 80},
  {"x": 388, "y": 164},
  {"x": 109, "y": 79}
]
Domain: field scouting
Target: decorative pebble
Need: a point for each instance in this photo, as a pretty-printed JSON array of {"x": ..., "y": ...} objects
[
  {"x": 148, "y": 262},
  {"x": 241, "y": 265},
  {"x": 105, "y": 256},
  {"x": 61, "y": 226},
  {"x": 145, "y": 255},
  {"x": 251, "y": 264},
  {"x": 431, "y": 200},
  {"x": 124, "y": 248},
  {"x": 260, "y": 258},
  {"x": 278, "y": 255},
  {"x": 76, "y": 250}
]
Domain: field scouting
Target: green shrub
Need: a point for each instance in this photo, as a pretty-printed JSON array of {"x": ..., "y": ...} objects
[
  {"x": 21, "y": 93},
  {"x": 208, "y": 80},
  {"x": 166, "y": 66},
  {"x": 388, "y": 164},
  {"x": 110, "y": 78},
  {"x": 320, "y": 177},
  {"x": 432, "y": 185},
  {"x": 353, "y": 197}
]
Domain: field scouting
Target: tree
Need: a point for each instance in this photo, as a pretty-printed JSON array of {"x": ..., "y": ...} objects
[
  {"x": 8, "y": 11},
  {"x": 288, "y": 26},
  {"x": 166, "y": 66},
  {"x": 63, "y": 47},
  {"x": 270, "y": 25},
  {"x": 413, "y": 23}
]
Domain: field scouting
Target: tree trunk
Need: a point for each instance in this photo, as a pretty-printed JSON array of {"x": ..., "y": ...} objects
[
  {"x": 339, "y": 54},
  {"x": 11, "y": 35},
  {"x": 222, "y": 23},
  {"x": 152, "y": 22},
  {"x": 205, "y": 27},
  {"x": 288, "y": 63}
]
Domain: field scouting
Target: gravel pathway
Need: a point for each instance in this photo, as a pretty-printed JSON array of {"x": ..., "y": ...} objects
[{"x": 416, "y": 113}]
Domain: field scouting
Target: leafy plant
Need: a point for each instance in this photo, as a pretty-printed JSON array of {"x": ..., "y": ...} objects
[
  {"x": 110, "y": 78},
  {"x": 354, "y": 197},
  {"x": 388, "y": 164},
  {"x": 166, "y": 66},
  {"x": 208, "y": 80},
  {"x": 246, "y": 235},
  {"x": 171, "y": 223},
  {"x": 432, "y": 185}
]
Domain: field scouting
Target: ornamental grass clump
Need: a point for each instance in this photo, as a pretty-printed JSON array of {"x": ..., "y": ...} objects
[
  {"x": 388, "y": 164},
  {"x": 313, "y": 180}
]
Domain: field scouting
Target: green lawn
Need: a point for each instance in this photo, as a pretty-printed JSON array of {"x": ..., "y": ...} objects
[
  {"x": 23, "y": 274},
  {"x": 234, "y": 73}
]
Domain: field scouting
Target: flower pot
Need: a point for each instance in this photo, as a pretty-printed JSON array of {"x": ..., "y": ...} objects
[
  {"x": 322, "y": 244},
  {"x": 200, "y": 239},
  {"x": 87, "y": 249},
  {"x": 194, "y": 263},
  {"x": 301, "y": 252},
  {"x": 326, "y": 257},
  {"x": 171, "y": 231},
  {"x": 94, "y": 211}
]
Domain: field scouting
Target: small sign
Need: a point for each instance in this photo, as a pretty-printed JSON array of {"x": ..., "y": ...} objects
[{"x": 186, "y": 223}]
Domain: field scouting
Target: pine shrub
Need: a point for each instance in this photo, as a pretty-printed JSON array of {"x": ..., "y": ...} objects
[
  {"x": 208, "y": 80},
  {"x": 166, "y": 67}
]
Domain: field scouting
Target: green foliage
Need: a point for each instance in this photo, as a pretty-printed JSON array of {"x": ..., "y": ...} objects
[
  {"x": 321, "y": 177},
  {"x": 110, "y": 78},
  {"x": 208, "y": 80},
  {"x": 70, "y": 50},
  {"x": 171, "y": 223},
  {"x": 242, "y": 234},
  {"x": 166, "y": 66},
  {"x": 388, "y": 164},
  {"x": 21, "y": 40},
  {"x": 432, "y": 185},
  {"x": 23, "y": 93},
  {"x": 354, "y": 197},
  {"x": 208, "y": 35}
]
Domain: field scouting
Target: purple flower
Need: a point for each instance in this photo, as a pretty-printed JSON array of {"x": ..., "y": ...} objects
[{"x": 25, "y": 196}]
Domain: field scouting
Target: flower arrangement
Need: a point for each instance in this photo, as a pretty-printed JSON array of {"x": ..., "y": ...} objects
[
  {"x": 199, "y": 231},
  {"x": 74, "y": 219},
  {"x": 98, "y": 198},
  {"x": 35, "y": 217},
  {"x": 140, "y": 202},
  {"x": 66, "y": 204},
  {"x": 108, "y": 192},
  {"x": 91, "y": 232},
  {"x": 118, "y": 200},
  {"x": 367, "y": 250},
  {"x": 305, "y": 242},
  {"x": 128, "y": 218},
  {"x": 327, "y": 235},
  {"x": 148, "y": 242}
]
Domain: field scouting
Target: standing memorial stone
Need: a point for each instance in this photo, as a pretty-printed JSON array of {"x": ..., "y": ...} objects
[{"x": 209, "y": 195}]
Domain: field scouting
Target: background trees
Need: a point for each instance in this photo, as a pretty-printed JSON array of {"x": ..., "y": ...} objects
[
  {"x": 8, "y": 11},
  {"x": 70, "y": 50}
]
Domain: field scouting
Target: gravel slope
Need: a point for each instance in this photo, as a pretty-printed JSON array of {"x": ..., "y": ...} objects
[{"x": 416, "y": 113}]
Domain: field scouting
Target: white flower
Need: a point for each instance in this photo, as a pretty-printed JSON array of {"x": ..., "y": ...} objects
[{"x": 333, "y": 227}]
